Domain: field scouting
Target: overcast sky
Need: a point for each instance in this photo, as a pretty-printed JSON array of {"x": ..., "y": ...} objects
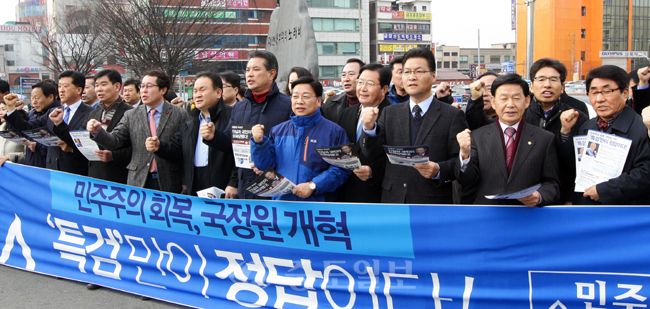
[{"x": 454, "y": 22}]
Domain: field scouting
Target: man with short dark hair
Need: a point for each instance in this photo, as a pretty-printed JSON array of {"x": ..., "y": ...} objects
[
  {"x": 112, "y": 164},
  {"x": 290, "y": 147},
  {"x": 4, "y": 88},
  {"x": 155, "y": 117},
  {"x": 88, "y": 96},
  {"x": 62, "y": 158},
  {"x": 511, "y": 154},
  {"x": 264, "y": 104},
  {"x": 334, "y": 106},
  {"x": 131, "y": 91},
  {"x": 364, "y": 186},
  {"x": 423, "y": 120},
  {"x": 44, "y": 100},
  {"x": 479, "y": 111},
  {"x": 396, "y": 93},
  {"x": 203, "y": 166},
  {"x": 230, "y": 82},
  {"x": 608, "y": 91}
]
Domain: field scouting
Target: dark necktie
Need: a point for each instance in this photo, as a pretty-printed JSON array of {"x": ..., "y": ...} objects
[
  {"x": 510, "y": 147},
  {"x": 418, "y": 112}
]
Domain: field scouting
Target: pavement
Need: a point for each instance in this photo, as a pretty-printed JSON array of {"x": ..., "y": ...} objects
[{"x": 23, "y": 289}]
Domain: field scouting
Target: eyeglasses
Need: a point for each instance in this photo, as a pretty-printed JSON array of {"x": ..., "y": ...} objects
[
  {"x": 143, "y": 86},
  {"x": 361, "y": 83},
  {"x": 227, "y": 86},
  {"x": 543, "y": 79},
  {"x": 418, "y": 73},
  {"x": 605, "y": 92}
]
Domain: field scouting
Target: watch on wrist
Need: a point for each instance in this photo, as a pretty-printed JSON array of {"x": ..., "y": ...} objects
[{"x": 312, "y": 186}]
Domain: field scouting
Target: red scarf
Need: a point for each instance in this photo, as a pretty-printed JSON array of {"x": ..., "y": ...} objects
[{"x": 260, "y": 97}]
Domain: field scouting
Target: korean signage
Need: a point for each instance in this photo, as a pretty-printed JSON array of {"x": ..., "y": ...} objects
[
  {"x": 383, "y": 8},
  {"x": 398, "y": 15},
  {"x": 27, "y": 70},
  {"x": 15, "y": 28},
  {"x": 623, "y": 54},
  {"x": 397, "y": 47},
  {"x": 213, "y": 253},
  {"x": 402, "y": 37},
  {"x": 508, "y": 67},
  {"x": 27, "y": 83},
  {"x": 513, "y": 15},
  {"x": 226, "y": 3},
  {"x": 199, "y": 14},
  {"x": 416, "y": 15},
  {"x": 218, "y": 54},
  {"x": 33, "y": 8}
]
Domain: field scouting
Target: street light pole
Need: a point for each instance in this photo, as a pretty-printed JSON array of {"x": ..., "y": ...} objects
[{"x": 530, "y": 46}]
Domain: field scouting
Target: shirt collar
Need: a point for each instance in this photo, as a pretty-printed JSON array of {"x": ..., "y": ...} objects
[
  {"x": 73, "y": 107},
  {"x": 158, "y": 108},
  {"x": 505, "y": 126},
  {"x": 424, "y": 105}
]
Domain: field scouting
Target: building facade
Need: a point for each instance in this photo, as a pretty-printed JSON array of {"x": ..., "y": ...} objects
[
  {"x": 20, "y": 57},
  {"x": 575, "y": 32}
]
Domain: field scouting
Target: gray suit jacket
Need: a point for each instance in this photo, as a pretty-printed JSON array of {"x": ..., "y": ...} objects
[
  {"x": 133, "y": 130},
  {"x": 404, "y": 184},
  {"x": 535, "y": 162}
]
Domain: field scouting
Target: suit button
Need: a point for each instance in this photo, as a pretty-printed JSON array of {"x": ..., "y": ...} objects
[{"x": 404, "y": 185}]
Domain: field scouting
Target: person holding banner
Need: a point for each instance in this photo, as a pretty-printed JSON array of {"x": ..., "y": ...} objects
[
  {"x": 364, "y": 186},
  {"x": 608, "y": 93},
  {"x": 509, "y": 155},
  {"x": 295, "y": 141},
  {"x": 203, "y": 166},
  {"x": 423, "y": 120}
]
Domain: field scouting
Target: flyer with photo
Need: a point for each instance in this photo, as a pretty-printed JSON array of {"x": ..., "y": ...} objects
[
  {"x": 579, "y": 143},
  {"x": 515, "y": 195},
  {"x": 241, "y": 144},
  {"x": 84, "y": 144},
  {"x": 603, "y": 159},
  {"x": 271, "y": 184},
  {"x": 212, "y": 192},
  {"x": 407, "y": 155},
  {"x": 343, "y": 156},
  {"x": 42, "y": 136},
  {"x": 12, "y": 136}
]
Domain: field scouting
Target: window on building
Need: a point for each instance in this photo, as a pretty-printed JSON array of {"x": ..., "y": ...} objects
[
  {"x": 336, "y": 24},
  {"x": 463, "y": 59},
  {"x": 476, "y": 59},
  {"x": 583, "y": 33},
  {"x": 582, "y": 56},
  {"x": 584, "y": 11},
  {"x": 446, "y": 54},
  {"x": 495, "y": 59},
  {"x": 446, "y": 64},
  {"x": 506, "y": 58},
  {"x": 439, "y": 64},
  {"x": 337, "y": 48},
  {"x": 346, "y": 4},
  {"x": 454, "y": 54},
  {"x": 424, "y": 8},
  {"x": 9, "y": 47},
  {"x": 330, "y": 72},
  {"x": 454, "y": 64},
  {"x": 11, "y": 63}
]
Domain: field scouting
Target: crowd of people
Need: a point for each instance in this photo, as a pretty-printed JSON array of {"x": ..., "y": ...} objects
[{"x": 511, "y": 135}]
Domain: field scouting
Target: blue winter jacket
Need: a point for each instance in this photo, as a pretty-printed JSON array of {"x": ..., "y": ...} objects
[{"x": 290, "y": 149}]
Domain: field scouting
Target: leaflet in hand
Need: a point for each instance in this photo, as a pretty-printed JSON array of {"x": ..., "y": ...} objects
[
  {"x": 407, "y": 155},
  {"x": 579, "y": 144},
  {"x": 603, "y": 159},
  {"x": 271, "y": 184},
  {"x": 84, "y": 144},
  {"x": 12, "y": 136},
  {"x": 241, "y": 144},
  {"x": 42, "y": 136},
  {"x": 343, "y": 156},
  {"x": 212, "y": 192},
  {"x": 515, "y": 195}
]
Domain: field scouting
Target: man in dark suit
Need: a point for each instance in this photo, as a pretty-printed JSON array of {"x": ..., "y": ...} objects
[
  {"x": 334, "y": 106},
  {"x": 203, "y": 166},
  {"x": 62, "y": 158},
  {"x": 112, "y": 164},
  {"x": 156, "y": 117},
  {"x": 509, "y": 155},
  {"x": 422, "y": 121},
  {"x": 608, "y": 92},
  {"x": 364, "y": 186}
]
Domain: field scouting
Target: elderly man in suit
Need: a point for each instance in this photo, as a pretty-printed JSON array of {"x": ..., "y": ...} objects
[
  {"x": 112, "y": 164},
  {"x": 423, "y": 120},
  {"x": 509, "y": 155},
  {"x": 156, "y": 117}
]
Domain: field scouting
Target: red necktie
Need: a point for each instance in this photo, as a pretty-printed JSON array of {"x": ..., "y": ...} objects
[
  {"x": 152, "y": 128},
  {"x": 510, "y": 147}
]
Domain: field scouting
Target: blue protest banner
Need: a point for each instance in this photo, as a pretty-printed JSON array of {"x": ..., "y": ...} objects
[{"x": 245, "y": 253}]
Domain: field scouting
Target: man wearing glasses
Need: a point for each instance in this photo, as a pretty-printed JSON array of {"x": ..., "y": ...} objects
[
  {"x": 155, "y": 117},
  {"x": 423, "y": 120},
  {"x": 608, "y": 92}
]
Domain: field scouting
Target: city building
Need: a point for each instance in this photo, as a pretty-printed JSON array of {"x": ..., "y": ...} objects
[
  {"x": 466, "y": 60},
  {"x": 576, "y": 32},
  {"x": 20, "y": 57},
  {"x": 339, "y": 35}
]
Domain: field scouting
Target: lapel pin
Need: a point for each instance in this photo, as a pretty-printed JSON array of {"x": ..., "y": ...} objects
[{"x": 530, "y": 143}]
